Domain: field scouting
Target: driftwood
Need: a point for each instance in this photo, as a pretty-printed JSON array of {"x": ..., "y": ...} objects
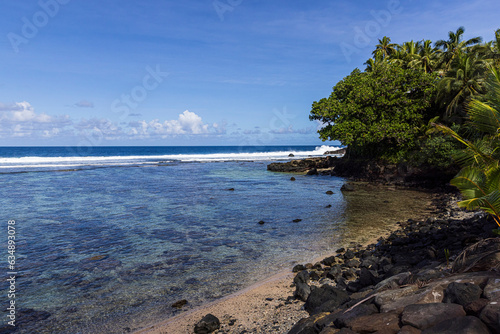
[{"x": 482, "y": 256}]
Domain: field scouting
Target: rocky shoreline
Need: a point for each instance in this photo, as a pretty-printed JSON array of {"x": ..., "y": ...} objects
[
  {"x": 440, "y": 275},
  {"x": 417, "y": 280},
  {"x": 370, "y": 171}
]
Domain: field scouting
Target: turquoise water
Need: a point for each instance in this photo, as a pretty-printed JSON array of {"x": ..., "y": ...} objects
[
  {"x": 109, "y": 248},
  {"x": 106, "y": 242}
]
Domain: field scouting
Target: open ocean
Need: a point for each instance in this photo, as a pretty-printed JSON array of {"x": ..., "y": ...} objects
[{"x": 107, "y": 238}]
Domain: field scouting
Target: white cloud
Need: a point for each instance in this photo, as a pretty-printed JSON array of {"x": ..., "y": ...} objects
[
  {"x": 21, "y": 120},
  {"x": 188, "y": 123}
]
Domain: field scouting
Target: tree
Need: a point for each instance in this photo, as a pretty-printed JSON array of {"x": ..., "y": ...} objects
[
  {"x": 465, "y": 79},
  {"x": 426, "y": 58},
  {"x": 454, "y": 45},
  {"x": 479, "y": 179},
  {"x": 384, "y": 48},
  {"x": 379, "y": 113}
]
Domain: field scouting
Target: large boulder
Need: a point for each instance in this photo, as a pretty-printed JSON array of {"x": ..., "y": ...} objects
[
  {"x": 490, "y": 315},
  {"x": 326, "y": 296},
  {"x": 462, "y": 293},
  {"x": 302, "y": 289},
  {"x": 463, "y": 325},
  {"x": 423, "y": 316},
  {"x": 307, "y": 325},
  {"x": 207, "y": 324},
  {"x": 492, "y": 290},
  {"x": 378, "y": 322}
]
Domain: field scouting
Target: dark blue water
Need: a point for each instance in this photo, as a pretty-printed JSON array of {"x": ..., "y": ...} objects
[{"x": 107, "y": 245}]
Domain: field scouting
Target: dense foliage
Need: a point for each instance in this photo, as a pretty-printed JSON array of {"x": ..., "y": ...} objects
[
  {"x": 377, "y": 113},
  {"x": 383, "y": 112},
  {"x": 479, "y": 179}
]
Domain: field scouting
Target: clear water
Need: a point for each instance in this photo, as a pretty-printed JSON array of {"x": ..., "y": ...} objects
[{"x": 108, "y": 246}]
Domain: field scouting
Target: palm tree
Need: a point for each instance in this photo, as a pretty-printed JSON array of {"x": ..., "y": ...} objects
[
  {"x": 479, "y": 179},
  {"x": 384, "y": 48},
  {"x": 454, "y": 45},
  {"x": 465, "y": 79},
  {"x": 426, "y": 57},
  {"x": 372, "y": 64},
  {"x": 405, "y": 54},
  {"x": 495, "y": 49}
]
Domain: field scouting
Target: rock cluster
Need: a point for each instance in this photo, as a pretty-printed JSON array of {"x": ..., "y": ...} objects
[
  {"x": 404, "y": 283},
  {"x": 309, "y": 165},
  {"x": 371, "y": 171}
]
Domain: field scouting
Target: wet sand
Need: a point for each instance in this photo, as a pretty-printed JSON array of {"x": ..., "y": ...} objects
[{"x": 261, "y": 308}]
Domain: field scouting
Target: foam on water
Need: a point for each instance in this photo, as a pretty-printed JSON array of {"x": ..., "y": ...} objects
[{"x": 37, "y": 162}]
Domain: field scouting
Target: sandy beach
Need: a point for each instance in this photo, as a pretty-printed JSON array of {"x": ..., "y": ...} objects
[
  {"x": 260, "y": 308},
  {"x": 264, "y": 307}
]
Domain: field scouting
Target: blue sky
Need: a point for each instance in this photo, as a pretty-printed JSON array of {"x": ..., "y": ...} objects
[{"x": 207, "y": 72}]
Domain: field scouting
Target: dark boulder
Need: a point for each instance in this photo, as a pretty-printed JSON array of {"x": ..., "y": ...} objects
[
  {"x": 347, "y": 187},
  {"x": 349, "y": 254},
  {"x": 423, "y": 316},
  {"x": 329, "y": 261},
  {"x": 462, "y": 293},
  {"x": 366, "y": 277},
  {"x": 179, "y": 304},
  {"x": 298, "y": 267},
  {"x": 312, "y": 171},
  {"x": 323, "y": 295},
  {"x": 302, "y": 289},
  {"x": 344, "y": 319},
  {"x": 462, "y": 325},
  {"x": 207, "y": 324},
  {"x": 335, "y": 272},
  {"x": 379, "y": 322},
  {"x": 490, "y": 315},
  {"x": 476, "y": 306}
]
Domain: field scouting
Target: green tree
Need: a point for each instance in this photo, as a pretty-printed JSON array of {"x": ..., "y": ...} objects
[
  {"x": 454, "y": 45},
  {"x": 384, "y": 48},
  {"x": 426, "y": 57},
  {"x": 479, "y": 179},
  {"x": 379, "y": 113},
  {"x": 464, "y": 80}
]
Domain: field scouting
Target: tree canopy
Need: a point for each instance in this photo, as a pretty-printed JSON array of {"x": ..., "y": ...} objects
[
  {"x": 384, "y": 111},
  {"x": 377, "y": 113}
]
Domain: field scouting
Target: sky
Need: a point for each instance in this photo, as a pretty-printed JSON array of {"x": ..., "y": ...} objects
[{"x": 196, "y": 72}]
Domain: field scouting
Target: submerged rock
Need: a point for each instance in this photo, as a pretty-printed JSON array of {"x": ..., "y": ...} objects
[{"x": 179, "y": 304}]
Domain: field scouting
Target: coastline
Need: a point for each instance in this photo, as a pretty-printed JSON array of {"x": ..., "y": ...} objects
[
  {"x": 414, "y": 277},
  {"x": 267, "y": 306}
]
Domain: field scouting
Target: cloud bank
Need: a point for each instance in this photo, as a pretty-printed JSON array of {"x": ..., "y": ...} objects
[{"x": 21, "y": 120}]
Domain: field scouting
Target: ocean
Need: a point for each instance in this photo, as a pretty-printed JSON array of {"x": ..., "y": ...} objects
[{"x": 108, "y": 238}]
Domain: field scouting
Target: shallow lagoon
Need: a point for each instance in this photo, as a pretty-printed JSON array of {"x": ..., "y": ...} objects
[{"x": 108, "y": 250}]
